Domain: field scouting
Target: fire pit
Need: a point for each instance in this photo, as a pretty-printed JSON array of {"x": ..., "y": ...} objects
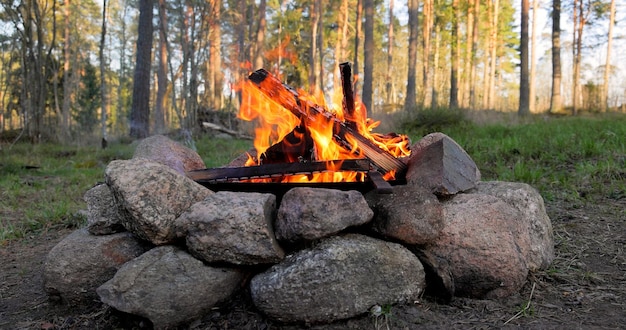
[{"x": 305, "y": 254}]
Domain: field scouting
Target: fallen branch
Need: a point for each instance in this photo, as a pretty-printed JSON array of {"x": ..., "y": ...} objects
[{"x": 223, "y": 129}]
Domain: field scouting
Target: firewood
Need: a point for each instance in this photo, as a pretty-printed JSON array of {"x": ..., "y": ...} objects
[{"x": 307, "y": 110}]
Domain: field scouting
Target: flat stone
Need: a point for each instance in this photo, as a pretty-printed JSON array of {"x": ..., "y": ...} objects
[{"x": 440, "y": 164}]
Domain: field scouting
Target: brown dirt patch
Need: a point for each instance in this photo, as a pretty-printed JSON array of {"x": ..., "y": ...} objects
[{"x": 584, "y": 288}]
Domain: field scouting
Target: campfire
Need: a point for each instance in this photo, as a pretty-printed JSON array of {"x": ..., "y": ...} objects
[{"x": 301, "y": 139}]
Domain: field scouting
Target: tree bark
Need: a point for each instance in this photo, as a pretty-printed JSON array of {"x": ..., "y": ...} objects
[
  {"x": 103, "y": 85},
  {"x": 555, "y": 97},
  {"x": 67, "y": 69},
  {"x": 579, "y": 24},
  {"x": 533, "y": 60},
  {"x": 368, "y": 56},
  {"x": 467, "y": 62},
  {"x": 493, "y": 46},
  {"x": 340, "y": 43},
  {"x": 140, "y": 109},
  {"x": 314, "y": 53},
  {"x": 260, "y": 35},
  {"x": 159, "y": 108},
  {"x": 410, "y": 101},
  {"x": 357, "y": 36},
  {"x": 524, "y": 107},
  {"x": 389, "y": 83},
  {"x": 607, "y": 64},
  {"x": 454, "y": 57},
  {"x": 472, "y": 87},
  {"x": 427, "y": 23},
  {"x": 216, "y": 78}
]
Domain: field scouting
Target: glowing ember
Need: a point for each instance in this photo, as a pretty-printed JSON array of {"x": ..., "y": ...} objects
[{"x": 279, "y": 128}]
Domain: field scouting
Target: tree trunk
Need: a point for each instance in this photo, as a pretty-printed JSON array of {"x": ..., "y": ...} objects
[
  {"x": 314, "y": 63},
  {"x": 67, "y": 69},
  {"x": 340, "y": 43},
  {"x": 454, "y": 57},
  {"x": 524, "y": 107},
  {"x": 389, "y": 84},
  {"x": 579, "y": 23},
  {"x": 410, "y": 101},
  {"x": 465, "y": 102},
  {"x": 493, "y": 46},
  {"x": 533, "y": 60},
  {"x": 216, "y": 76},
  {"x": 103, "y": 90},
  {"x": 121, "y": 100},
  {"x": 140, "y": 109},
  {"x": 474, "y": 62},
  {"x": 260, "y": 35},
  {"x": 428, "y": 21},
  {"x": 357, "y": 36},
  {"x": 434, "y": 103},
  {"x": 607, "y": 65},
  {"x": 555, "y": 97},
  {"x": 368, "y": 56},
  {"x": 159, "y": 109}
]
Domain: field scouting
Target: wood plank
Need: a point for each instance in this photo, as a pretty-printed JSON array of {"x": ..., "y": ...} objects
[{"x": 223, "y": 174}]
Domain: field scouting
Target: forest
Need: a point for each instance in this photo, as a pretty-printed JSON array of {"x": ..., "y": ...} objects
[{"x": 85, "y": 70}]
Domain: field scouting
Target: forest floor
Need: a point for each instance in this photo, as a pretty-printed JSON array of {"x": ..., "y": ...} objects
[{"x": 585, "y": 288}]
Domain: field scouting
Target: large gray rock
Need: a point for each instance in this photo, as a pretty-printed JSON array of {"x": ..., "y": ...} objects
[
  {"x": 529, "y": 203},
  {"x": 161, "y": 149},
  {"x": 151, "y": 196},
  {"x": 169, "y": 286},
  {"x": 340, "y": 278},
  {"x": 440, "y": 164},
  {"x": 103, "y": 216},
  {"x": 232, "y": 227},
  {"x": 411, "y": 214},
  {"x": 81, "y": 262},
  {"x": 307, "y": 214},
  {"x": 483, "y": 242}
]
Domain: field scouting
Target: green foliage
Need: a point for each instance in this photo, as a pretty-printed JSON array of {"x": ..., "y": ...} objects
[{"x": 86, "y": 114}]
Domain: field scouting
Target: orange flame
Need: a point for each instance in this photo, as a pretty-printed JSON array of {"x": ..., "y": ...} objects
[{"x": 274, "y": 123}]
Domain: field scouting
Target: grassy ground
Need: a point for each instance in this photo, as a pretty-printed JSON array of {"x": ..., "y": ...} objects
[
  {"x": 565, "y": 158},
  {"x": 42, "y": 186}
]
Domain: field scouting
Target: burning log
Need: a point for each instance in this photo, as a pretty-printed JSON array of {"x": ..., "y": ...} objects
[
  {"x": 306, "y": 110},
  {"x": 277, "y": 170},
  {"x": 348, "y": 94}
]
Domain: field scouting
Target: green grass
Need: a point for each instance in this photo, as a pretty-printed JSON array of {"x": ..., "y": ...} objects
[
  {"x": 577, "y": 160},
  {"x": 42, "y": 186}
]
